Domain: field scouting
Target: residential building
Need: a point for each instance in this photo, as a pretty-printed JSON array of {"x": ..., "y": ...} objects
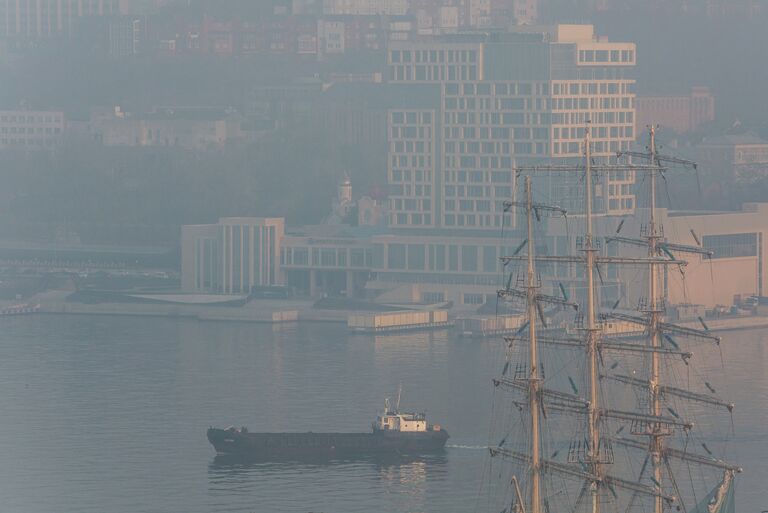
[
  {"x": 365, "y": 7},
  {"x": 29, "y": 20},
  {"x": 525, "y": 12},
  {"x": 498, "y": 100},
  {"x": 185, "y": 127},
  {"x": 127, "y": 36},
  {"x": 734, "y": 158},
  {"x": 31, "y": 130},
  {"x": 680, "y": 114},
  {"x": 233, "y": 256}
]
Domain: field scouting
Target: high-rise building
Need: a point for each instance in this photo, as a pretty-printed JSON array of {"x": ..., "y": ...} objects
[{"x": 500, "y": 100}]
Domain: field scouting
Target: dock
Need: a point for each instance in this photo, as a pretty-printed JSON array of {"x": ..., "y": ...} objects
[{"x": 408, "y": 320}]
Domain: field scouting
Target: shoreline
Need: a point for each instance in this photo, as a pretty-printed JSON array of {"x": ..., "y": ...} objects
[{"x": 282, "y": 312}]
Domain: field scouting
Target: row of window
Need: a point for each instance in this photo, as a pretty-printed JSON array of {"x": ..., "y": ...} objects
[
  {"x": 433, "y": 56},
  {"x": 398, "y": 204},
  {"x": 496, "y": 118},
  {"x": 434, "y": 72},
  {"x": 327, "y": 257},
  {"x": 577, "y": 88},
  {"x": 485, "y": 133},
  {"x": 411, "y": 118},
  {"x": 597, "y": 132},
  {"x": 478, "y": 191},
  {"x": 581, "y": 118},
  {"x": 514, "y": 103},
  {"x": 438, "y": 257},
  {"x": 411, "y": 132},
  {"x": 399, "y": 189},
  {"x": 477, "y": 220},
  {"x": 409, "y": 147},
  {"x": 497, "y": 89},
  {"x": 12, "y": 118},
  {"x": 621, "y": 204},
  {"x": 732, "y": 245},
  {"x": 623, "y": 102},
  {"x": 410, "y": 219},
  {"x": 468, "y": 205},
  {"x": 29, "y": 130},
  {"x": 27, "y": 142},
  {"x": 418, "y": 175},
  {"x": 600, "y": 148},
  {"x": 414, "y": 161},
  {"x": 598, "y": 56}
]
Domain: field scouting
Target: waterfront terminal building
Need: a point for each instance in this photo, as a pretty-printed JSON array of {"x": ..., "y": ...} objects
[{"x": 462, "y": 111}]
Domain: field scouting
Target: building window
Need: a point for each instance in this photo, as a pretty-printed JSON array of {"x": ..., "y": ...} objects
[
  {"x": 433, "y": 297},
  {"x": 469, "y": 258},
  {"x": 473, "y": 299},
  {"x": 416, "y": 257},
  {"x": 396, "y": 256},
  {"x": 732, "y": 245}
]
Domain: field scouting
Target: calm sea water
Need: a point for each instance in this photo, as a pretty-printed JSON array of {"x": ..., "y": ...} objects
[{"x": 103, "y": 414}]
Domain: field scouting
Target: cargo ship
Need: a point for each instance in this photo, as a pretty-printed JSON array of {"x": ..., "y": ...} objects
[{"x": 392, "y": 433}]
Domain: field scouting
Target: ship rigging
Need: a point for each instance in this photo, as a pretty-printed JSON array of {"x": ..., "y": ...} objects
[{"x": 654, "y": 420}]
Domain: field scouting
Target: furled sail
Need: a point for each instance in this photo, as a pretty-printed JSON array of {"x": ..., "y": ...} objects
[{"x": 721, "y": 499}]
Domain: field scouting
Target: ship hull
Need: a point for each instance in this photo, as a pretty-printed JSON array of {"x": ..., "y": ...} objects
[{"x": 324, "y": 445}]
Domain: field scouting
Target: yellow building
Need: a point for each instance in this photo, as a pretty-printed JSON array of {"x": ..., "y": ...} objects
[{"x": 739, "y": 241}]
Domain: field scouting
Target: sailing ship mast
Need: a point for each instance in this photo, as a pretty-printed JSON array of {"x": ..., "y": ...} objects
[
  {"x": 655, "y": 310},
  {"x": 592, "y": 331},
  {"x": 533, "y": 378},
  {"x": 587, "y": 462}
]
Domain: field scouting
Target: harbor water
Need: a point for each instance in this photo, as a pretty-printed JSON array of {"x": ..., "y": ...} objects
[{"x": 110, "y": 413}]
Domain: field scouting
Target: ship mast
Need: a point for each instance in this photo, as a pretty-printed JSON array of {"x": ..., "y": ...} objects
[
  {"x": 657, "y": 440},
  {"x": 654, "y": 237},
  {"x": 533, "y": 378},
  {"x": 587, "y": 459},
  {"x": 592, "y": 330}
]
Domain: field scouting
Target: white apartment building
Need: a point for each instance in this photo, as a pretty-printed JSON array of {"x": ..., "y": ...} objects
[{"x": 501, "y": 100}]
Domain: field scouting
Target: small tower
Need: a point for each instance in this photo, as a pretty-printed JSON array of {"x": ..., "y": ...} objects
[
  {"x": 345, "y": 191},
  {"x": 342, "y": 204}
]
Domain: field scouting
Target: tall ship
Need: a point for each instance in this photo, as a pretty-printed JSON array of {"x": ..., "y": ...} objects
[
  {"x": 392, "y": 433},
  {"x": 602, "y": 423}
]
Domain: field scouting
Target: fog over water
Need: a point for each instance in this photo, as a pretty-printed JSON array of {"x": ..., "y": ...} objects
[
  {"x": 109, "y": 413},
  {"x": 294, "y": 163}
]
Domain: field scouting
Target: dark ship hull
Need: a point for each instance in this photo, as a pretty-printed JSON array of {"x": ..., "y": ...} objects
[{"x": 324, "y": 445}]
